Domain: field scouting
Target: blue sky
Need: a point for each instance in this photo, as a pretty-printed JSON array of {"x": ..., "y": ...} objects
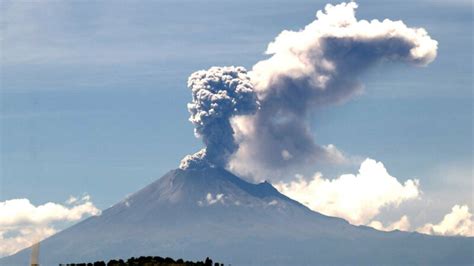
[{"x": 94, "y": 95}]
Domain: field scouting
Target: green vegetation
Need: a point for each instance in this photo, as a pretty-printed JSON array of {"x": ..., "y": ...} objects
[{"x": 148, "y": 261}]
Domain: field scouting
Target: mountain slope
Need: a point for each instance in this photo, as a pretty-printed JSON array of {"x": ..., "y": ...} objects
[{"x": 211, "y": 212}]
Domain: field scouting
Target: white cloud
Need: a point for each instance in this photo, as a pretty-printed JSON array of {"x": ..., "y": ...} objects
[
  {"x": 22, "y": 223},
  {"x": 211, "y": 200},
  {"x": 335, "y": 155},
  {"x": 356, "y": 198},
  {"x": 71, "y": 200},
  {"x": 21, "y": 211},
  {"x": 22, "y": 238},
  {"x": 286, "y": 155},
  {"x": 273, "y": 202},
  {"x": 403, "y": 225},
  {"x": 458, "y": 222},
  {"x": 86, "y": 197}
]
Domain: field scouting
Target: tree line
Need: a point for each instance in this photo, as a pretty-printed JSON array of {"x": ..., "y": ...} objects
[{"x": 148, "y": 261}]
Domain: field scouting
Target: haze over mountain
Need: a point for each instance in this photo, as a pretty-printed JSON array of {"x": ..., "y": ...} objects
[{"x": 195, "y": 213}]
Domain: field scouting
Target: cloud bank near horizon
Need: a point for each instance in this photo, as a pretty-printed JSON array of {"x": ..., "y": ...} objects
[
  {"x": 403, "y": 224},
  {"x": 360, "y": 198},
  {"x": 458, "y": 222},
  {"x": 357, "y": 198},
  {"x": 22, "y": 224}
]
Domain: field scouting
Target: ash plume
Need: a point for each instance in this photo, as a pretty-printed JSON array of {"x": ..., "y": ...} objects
[
  {"x": 218, "y": 94},
  {"x": 314, "y": 67},
  {"x": 256, "y": 123}
]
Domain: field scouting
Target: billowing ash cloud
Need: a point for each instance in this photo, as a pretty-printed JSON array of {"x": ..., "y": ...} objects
[
  {"x": 312, "y": 68},
  {"x": 217, "y": 95},
  {"x": 307, "y": 69}
]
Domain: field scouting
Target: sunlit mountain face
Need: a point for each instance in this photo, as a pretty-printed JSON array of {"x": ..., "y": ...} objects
[{"x": 208, "y": 211}]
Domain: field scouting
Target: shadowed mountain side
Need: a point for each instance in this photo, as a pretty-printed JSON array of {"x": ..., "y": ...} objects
[{"x": 211, "y": 212}]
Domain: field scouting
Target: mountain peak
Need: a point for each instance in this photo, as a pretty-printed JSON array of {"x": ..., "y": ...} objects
[
  {"x": 209, "y": 211},
  {"x": 203, "y": 187}
]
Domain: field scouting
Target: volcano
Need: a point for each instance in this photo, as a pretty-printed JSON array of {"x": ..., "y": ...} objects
[{"x": 196, "y": 213}]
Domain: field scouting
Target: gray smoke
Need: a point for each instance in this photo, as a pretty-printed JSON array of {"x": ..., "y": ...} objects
[
  {"x": 217, "y": 95},
  {"x": 307, "y": 69},
  {"x": 312, "y": 68}
]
